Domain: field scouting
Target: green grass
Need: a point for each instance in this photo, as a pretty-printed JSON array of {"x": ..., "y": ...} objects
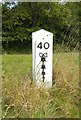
[
  {"x": 0, "y": 85},
  {"x": 62, "y": 100},
  {"x": 18, "y": 66}
]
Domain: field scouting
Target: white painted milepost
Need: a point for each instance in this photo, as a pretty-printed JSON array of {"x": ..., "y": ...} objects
[{"x": 42, "y": 49}]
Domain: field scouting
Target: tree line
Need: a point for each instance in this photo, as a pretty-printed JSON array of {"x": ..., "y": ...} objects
[{"x": 21, "y": 19}]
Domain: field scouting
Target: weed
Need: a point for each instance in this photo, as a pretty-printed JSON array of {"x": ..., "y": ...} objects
[{"x": 23, "y": 99}]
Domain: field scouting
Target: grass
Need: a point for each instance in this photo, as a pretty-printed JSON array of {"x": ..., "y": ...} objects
[
  {"x": 24, "y": 99},
  {"x": 0, "y": 86},
  {"x": 17, "y": 66}
]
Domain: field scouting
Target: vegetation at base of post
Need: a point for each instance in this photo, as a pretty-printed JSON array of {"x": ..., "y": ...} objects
[
  {"x": 20, "y": 96},
  {"x": 23, "y": 99}
]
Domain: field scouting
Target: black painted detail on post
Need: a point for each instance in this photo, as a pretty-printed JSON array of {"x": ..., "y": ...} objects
[
  {"x": 43, "y": 59},
  {"x": 43, "y": 73},
  {"x": 43, "y": 67}
]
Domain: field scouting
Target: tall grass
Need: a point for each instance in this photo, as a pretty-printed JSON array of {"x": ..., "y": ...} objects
[
  {"x": 22, "y": 98},
  {"x": 0, "y": 85}
]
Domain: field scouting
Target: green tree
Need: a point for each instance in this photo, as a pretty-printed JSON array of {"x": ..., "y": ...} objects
[{"x": 22, "y": 19}]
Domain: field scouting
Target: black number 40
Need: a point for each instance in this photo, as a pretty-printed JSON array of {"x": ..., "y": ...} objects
[{"x": 46, "y": 45}]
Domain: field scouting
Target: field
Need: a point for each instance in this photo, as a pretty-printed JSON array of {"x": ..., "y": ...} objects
[{"x": 22, "y": 98}]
